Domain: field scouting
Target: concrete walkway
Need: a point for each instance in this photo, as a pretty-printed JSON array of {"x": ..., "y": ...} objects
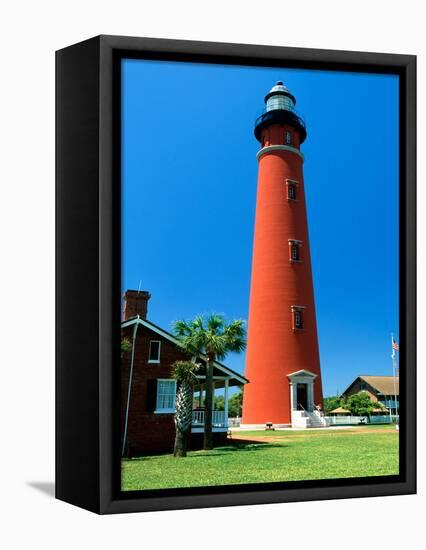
[{"x": 242, "y": 430}]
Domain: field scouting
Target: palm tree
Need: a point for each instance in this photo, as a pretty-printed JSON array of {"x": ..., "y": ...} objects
[
  {"x": 215, "y": 338},
  {"x": 126, "y": 345},
  {"x": 184, "y": 373}
]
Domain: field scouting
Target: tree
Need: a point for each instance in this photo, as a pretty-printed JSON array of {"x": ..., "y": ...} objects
[
  {"x": 378, "y": 405},
  {"x": 184, "y": 373},
  {"x": 213, "y": 337},
  {"x": 236, "y": 404},
  {"x": 359, "y": 404},
  {"x": 219, "y": 403},
  {"x": 331, "y": 403}
]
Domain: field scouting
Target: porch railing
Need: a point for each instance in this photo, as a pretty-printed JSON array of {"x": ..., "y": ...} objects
[{"x": 218, "y": 419}]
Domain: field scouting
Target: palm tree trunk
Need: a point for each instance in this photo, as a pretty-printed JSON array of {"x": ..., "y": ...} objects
[
  {"x": 181, "y": 440},
  {"x": 208, "y": 404},
  {"x": 183, "y": 418}
]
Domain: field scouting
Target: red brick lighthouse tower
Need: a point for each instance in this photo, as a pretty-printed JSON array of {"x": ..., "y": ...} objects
[{"x": 283, "y": 363}]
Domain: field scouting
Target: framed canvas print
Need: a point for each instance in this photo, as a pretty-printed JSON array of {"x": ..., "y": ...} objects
[{"x": 235, "y": 274}]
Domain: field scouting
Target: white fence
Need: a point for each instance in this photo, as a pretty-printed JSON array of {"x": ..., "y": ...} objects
[
  {"x": 346, "y": 420},
  {"x": 218, "y": 419},
  {"x": 234, "y": 422},
  {"x": 384, "y": 419}
]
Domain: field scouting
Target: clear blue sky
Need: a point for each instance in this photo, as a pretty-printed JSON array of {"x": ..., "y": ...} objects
[{"x": 189, "y": 191}]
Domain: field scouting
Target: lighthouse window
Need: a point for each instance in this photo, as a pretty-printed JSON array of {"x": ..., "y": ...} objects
[
  {"x": 295, "y": 252},
  {"x": 288, "y": 138},
  {"x": 291, "y": 191},
  {"x": 298, "y": 319},
  {"x": 279, "y": 102},
  {"x": 298, "y": 314}
]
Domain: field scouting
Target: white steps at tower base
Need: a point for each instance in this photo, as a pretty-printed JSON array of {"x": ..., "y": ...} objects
[{"x": 305, "y": 419}]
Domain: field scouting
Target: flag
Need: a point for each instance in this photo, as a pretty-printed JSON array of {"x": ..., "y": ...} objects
[{"x": 395, "y": 345}]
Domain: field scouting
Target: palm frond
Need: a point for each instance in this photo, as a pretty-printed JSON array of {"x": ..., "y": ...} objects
[
  {"x": 181, "y": 328},
  {"x": 185, "y": 371},
  {"x": 235, "y": 334},
  {"x": 215, "y": 322},
  {"x": 197, "y": 323},
  {"x": 210, "y": 334}
]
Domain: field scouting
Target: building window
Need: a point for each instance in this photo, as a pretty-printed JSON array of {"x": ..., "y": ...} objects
[
  {"x": 154, "y": 351},
  {"x": 166, "y": 396},
  {"x": 288, "y": 138},
  {"x": 298, "y": 313},
  {"x": 292, "y": 190}
]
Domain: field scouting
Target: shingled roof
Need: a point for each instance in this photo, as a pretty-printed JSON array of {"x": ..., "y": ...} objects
[{"x": 382, "y": 384}]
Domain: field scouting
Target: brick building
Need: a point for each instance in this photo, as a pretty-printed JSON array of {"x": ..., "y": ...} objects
[{"x": 148, "y": 391}]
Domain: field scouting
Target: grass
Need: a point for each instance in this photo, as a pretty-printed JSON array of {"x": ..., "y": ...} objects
[{"x": 272, "y": 456}]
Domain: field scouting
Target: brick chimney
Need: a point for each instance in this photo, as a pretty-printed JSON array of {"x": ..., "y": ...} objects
[{"x": 135, "y": 303}]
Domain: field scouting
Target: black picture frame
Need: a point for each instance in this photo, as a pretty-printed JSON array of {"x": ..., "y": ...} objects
[{"x": 88, "y": 272}]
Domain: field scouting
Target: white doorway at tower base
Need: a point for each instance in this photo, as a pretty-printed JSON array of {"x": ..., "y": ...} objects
[{"x": 302, "y": 406}]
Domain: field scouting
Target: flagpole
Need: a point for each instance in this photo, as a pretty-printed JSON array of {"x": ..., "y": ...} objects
[
  {"x": 394, "y": 386},
  {"x": 394, "y": 375}
]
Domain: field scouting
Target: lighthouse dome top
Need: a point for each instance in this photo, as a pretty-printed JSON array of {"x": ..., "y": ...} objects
[
  {"x": 280, "y": 109},
  {"x": 279, "y": 87},
  {"x": 279, "y": 97}
]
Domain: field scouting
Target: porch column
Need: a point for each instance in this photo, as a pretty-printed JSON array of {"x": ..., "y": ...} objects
[
  {"x": 213, "y": 415},
  {"x": 200, "y": 399},
  {"x": 213, "y": 392},
  {"x": 226, "y": 401},
  {"x": 291, "y": 396},
  {"x": 311, "y": 397}
]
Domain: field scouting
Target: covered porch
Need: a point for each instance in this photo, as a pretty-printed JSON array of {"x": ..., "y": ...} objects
[{"x": 223, "y": 380}]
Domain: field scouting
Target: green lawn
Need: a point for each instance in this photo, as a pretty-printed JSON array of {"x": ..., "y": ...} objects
[{"x": 281, "y": 456}]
